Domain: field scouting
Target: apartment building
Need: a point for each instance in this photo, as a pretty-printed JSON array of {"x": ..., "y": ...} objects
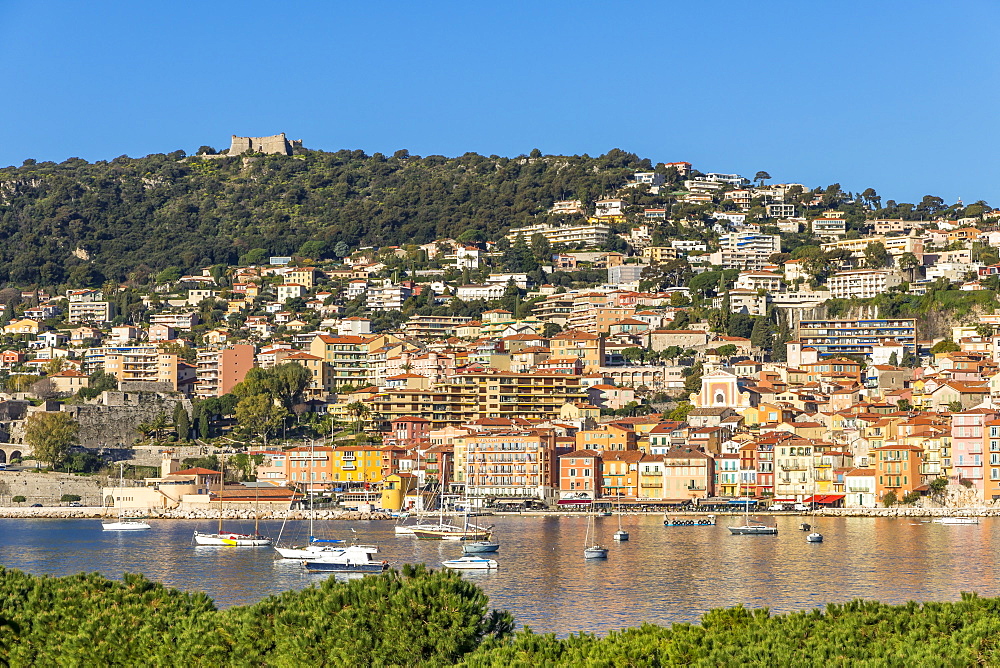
[
  {"x": 346, "y": 355},
  {"x": 855, "y": 337},
  {"x": 176, "y": 320},
  {"x": 151, "y": 366},
  {"x": 91, "y": 311},
  {"x": 574, "y": 343},
  {"x": 589, "y": 234},
  {"x": 324, "y": 468},
  {"x": 580, "y": 475},
  {"x": 760, "y": 280},
  {"x": 658, "y": 254},
  {"x": 472, "y": 395},
  {"x": 516, "y": 464},
  {"x": 434, "y": 326},
  {"x": 829, "y": 227},
  {"x": 220, "y": 369},
  {"x": 746, "y": 250},
  {"x": 387, "y": 297},
  {"x": 862, "y": 284}
]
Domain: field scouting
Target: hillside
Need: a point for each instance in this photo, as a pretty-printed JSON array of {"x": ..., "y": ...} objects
[{"x": 79, "y": 222}]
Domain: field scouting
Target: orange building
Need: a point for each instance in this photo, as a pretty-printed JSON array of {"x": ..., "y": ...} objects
[
  {"x": 607, "y": 438},
  {"x": 512, "y": 464},
  {"x": 898, "y": 469},
  {"x": 580, "y": 475},
  {"x": 621, "y": 474}
]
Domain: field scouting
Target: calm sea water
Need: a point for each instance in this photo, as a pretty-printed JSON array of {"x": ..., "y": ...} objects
[{"x": 662, "y": 575}]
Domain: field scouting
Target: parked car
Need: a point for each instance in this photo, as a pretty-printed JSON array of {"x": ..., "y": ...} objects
[
  {"x": 800, "y": 507},
  {"x": 75, "y": 504},
  {"x": 36, "y": 505},
  {"x": 776, "y": 506}
]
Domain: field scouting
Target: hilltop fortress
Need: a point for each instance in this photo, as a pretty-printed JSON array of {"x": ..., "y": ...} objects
[{"x": 273, "y": 144}]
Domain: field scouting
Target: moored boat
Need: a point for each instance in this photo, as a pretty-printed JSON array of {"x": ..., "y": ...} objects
[
  {"x": 350, "y": 559},
  {"x": 231, "y": 539},
  {"x": 956, "y": 520},
  {"x": 125, "y": 525},
  {"x": 452, "y": 532},
  {"x": 814, "y": 537},
  {"x": 621, "y": 535},
  {"x": 707, "y": 521},
  {"x": 471, "y": 563},
  {"x": 754, "y": 529},
  {"x": 480, "y": 546}
]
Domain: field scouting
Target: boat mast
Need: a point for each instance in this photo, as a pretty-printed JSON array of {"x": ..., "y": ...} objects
[
  {"x": 222, "y": 486},
  {"x": 312, "y": 472}
]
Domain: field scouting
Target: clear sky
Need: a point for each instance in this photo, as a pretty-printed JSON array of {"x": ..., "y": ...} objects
[{"x": 898, "y": 96}]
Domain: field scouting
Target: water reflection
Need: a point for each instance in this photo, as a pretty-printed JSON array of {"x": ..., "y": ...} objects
[{"x": 661, "y": 575}]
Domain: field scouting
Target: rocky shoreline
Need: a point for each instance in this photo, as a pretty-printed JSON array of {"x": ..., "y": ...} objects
[
  {"x": 229, "y": 514},
  {"x": 343, "y": 515}
]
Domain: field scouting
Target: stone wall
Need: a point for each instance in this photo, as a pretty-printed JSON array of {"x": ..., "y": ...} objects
[
  {"x": 115, "y": 424},
  {"x": 275, "y": 144},
  {"x": 48, "y": 488}
]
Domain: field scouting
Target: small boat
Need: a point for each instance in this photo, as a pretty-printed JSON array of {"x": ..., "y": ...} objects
[
  {"x": 595, "y": 551},
  {"x": 124, "y": 523},
  {"x": 805, "y": 526},
  {"x": 471, "y": 563},
  {"x": 451, "y": 532},
  {"x": 956, "y": 520},
  {"x": 621, "y": 535},
  {"x": 604, "y": 513},
  {"x": 754, "y": 529},
  {"x": 814, "y": 537},
  {"x": 480, "y": 546},
  {"x": 231, "y": 539},
  {"x": 228, "y": 538},
  {"x": 316, "y": 546},
  {"x": 707, "y": 521},
  {"x": 351, "y": 559}
]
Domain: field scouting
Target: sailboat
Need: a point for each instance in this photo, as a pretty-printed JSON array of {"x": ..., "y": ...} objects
[
  {"x": 815, "y": 536},
  {"x": 315, "y": 545},
  {"x": 595, "y": 551},
  {"x": 123, "y": 524},
  {"x": 751, "y": 527},
  {"x": 444, "y": 531},
  {"x": 621, "y": 534},
  {"x": 229, "y": 538}
]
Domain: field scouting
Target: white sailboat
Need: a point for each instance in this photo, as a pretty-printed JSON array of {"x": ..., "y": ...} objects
[
  {"x": 230, "y": 538},
  {"x": 751, "y": 527},
  {"x": 595, "y": 551},
  {"x": 315, "y": 546},
  {"x": 123, "y": 523}
]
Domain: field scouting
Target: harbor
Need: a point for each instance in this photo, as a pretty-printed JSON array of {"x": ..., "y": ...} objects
[{"x": 660, "y": 575}]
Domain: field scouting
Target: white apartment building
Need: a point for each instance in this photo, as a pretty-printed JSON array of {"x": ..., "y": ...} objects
[
  {"x": 608, "y": 207},
  {"x": 862, "y": 284},
  {"x": 731, "y": 179},
  {"x": 489, "y": 292},
  {"x": 91, "y": 312},
  {"x": 387, "y": 297},
  {"x": 746, "y": 250},
  {"x": 781, "y": 211},
  {"x": 589, "y": 234},
  {"x": 567, "y": 207},
  {"x": 829, "y": 227},
  {"x": 760, "y": 280},
  {"x": 688, "y": 245}
]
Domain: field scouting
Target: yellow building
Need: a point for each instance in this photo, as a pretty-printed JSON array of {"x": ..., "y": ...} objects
[{"x": 574, "y": 343}]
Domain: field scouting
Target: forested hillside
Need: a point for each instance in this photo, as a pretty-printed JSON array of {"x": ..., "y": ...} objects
[{"x": 141, "y": 215}]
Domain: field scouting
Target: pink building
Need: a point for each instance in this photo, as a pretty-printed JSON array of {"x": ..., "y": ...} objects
[{"x": 967, "y": 437}]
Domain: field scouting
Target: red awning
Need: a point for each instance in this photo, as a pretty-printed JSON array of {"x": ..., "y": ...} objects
[
  {"x": 573, "y": 502},
  {"x": 818, "y": 499},
  {"x": 829, "y": 498}
]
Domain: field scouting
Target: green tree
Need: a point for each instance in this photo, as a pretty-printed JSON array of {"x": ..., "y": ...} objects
[
  {"x": 890, "y": 499},
  {"x": 761, "y": 336},
  {"x": 945, "y": 346},
  {"x": 50, "y": 435},
  {"x": 204, "y": 425},
  {"x": 762, "y": 176},
  {"x": 893, "y": 359},
  {"x": 257, "y": 415},
  {"x": 182, "y": 422},
  {"x": 876, "y": 256},
  {"x": 360, "y": 411},
  {"x": 69, "y": 498},
  {"x": 726, "y": 351},
  {"x": 18, "y": 499},
  {"x": 680, "y": 413}
]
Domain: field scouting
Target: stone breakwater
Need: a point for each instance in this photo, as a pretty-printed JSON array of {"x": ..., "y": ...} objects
[
  {"x": 984, "y": 511},
  {"x": 177, "y": 514}
]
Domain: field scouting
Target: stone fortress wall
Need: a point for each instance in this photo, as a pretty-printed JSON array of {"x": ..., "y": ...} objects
[{"x": 275, "y": 144}]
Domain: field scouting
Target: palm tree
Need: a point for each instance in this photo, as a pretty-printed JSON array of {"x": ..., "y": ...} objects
[{"x": 360, "y": 411}]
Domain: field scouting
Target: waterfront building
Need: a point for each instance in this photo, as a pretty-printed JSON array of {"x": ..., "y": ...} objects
[
  {"x": 688, "y": 474},
  {"x": 580, "y": 476},
  {"x": 515, "y": 464},
  {"x": 898, "y": 469}
]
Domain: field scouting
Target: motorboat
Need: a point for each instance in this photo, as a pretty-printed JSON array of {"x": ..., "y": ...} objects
[
  {"x": 350, "y": 559},
  {"x": 805, "y": 526},
  {"x": 471, "y": 563},
  {"x": 956, "y": 520},
  {"x": 621, "y": 535},
  {"x": 231, "y": 539},
  {"x": 480, "y": 546},
  {"x": 707, "y": 521},
  {"x": 814, "y": 537}
]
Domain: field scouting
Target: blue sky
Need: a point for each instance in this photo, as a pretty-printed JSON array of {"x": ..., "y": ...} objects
[{"x": 898, "y": 96}]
